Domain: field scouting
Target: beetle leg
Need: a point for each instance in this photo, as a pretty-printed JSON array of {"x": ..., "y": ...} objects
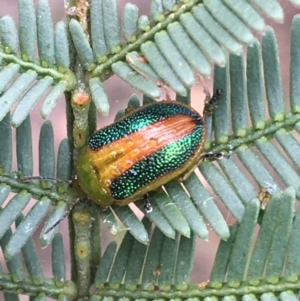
[
  {"x": 210, "y": 156},
  {"x": 211, "y": 102},
  {"x": 214, "y": 156},
  {"x": 148, "y": 207},
  {"x": 163, "y": 86},
  {"x": 187, "y": 174}
]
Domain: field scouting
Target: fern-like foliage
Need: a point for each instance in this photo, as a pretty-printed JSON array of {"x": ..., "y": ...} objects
[
  {"x": 37, "y": 77},
  {"x": 245, "y": 266},
  {"x": 168, "y": 47},
  {"x": 176, "y": 40}
]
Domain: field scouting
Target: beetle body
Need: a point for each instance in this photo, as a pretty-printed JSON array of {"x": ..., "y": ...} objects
[{"x": 142, "y": 151}]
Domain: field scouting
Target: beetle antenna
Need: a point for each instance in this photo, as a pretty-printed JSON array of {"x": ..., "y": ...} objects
[
  {"x": 62, "y": 218},
  {"x": 26, "y": 179},
  {"x": 57, "y": 222}
]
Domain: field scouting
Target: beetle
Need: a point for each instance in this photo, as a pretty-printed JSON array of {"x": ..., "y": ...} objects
[{"x": 145, "y": 149}]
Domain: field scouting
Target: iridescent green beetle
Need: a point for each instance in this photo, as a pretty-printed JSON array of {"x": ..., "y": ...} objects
[{"x": 142, "y": 151}]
